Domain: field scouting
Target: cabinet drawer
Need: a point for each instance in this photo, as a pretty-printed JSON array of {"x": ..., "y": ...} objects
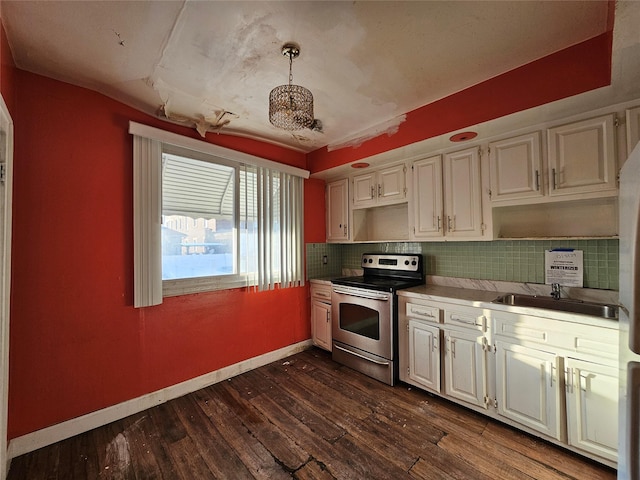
[
  {"x": 602, "y": 342},
  {"x": 321, "y": 292},
  {"x": 587, "y": 340},
  {"x": 468, "y": 317},
  {"x": 423, "y": 312},
  {"x": 523, "y": 328}
]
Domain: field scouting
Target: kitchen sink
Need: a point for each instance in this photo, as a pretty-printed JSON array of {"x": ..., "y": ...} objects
[{"x": 562, "y": 304}]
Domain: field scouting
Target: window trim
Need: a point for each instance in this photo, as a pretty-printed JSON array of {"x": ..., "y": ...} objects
[
  {"x": 149, "y": 144},
  {"x": 169, "y": 138}
]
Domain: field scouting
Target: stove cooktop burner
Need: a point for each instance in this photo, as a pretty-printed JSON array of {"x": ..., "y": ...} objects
[{"x": 377, "y": 283}]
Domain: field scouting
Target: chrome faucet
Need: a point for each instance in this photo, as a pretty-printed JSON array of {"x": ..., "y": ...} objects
[{"x": 555, "y": 291}]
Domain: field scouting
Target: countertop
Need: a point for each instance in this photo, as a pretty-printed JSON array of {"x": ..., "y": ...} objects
[
  {"x": 480, "y": 293},
  {"x": 483, "y": 298}
]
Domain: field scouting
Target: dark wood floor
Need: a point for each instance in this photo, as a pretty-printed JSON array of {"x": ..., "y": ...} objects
[{"x": 305, "y": 417}]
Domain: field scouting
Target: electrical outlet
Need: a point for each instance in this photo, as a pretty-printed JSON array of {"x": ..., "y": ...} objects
[{"x": 325, "y": 260}]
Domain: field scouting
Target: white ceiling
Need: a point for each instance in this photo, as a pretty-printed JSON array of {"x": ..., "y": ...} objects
[{"x": 366, "y": 63}]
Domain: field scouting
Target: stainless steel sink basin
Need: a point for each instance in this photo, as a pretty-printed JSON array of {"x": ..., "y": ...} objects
[{"x": 563, "y": 304}]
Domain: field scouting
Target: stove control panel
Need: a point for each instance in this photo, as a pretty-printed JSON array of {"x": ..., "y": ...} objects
[{"x": 392, "y": 261}]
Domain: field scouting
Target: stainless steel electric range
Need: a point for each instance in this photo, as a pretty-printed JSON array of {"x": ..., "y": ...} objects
[{"x": 365, "y": 313}]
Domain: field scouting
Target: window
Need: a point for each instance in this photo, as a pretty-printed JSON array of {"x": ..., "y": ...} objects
[
  {"x": 200, "y": 219},
  {"x": 207, "y": 219}
]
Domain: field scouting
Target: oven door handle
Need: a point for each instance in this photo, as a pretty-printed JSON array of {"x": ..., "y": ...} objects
[
  {"x": 378, "y": 362},
  {"x": 362, "y": 294}
]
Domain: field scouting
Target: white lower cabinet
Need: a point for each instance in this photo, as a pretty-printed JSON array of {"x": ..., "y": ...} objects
[
  {"x": 419, "y": 343},
  {"x": 592, "y": 407},
  {"x": 552, "y": 377},
  {"x": 527, "y": 389},
  {"x": 321, "y": 315},
  {"x": 465, "y": 366},
  {"x": 424, "y": 355}
]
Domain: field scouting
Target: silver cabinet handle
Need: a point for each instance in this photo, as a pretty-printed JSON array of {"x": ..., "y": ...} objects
[
  {"x": 553, "y": 177},
  {"x": 379, "y": 190},
  {"x": 537, "y": 180},
  {"x": 463, "y": 320},
  {"x": 422, "y": 314}
]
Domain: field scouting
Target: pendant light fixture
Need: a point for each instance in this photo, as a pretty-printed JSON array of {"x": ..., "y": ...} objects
[{"x": 291, "y": 106}]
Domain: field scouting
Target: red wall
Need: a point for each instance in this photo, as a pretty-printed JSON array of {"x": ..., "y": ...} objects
[
  {"x": 577, "y": 69},
  {"x": 77, "y": 344},
  {"x": 7, "y": 69}
]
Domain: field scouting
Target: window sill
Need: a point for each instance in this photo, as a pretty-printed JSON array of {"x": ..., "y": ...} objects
[{"x": 184, "y": 286}]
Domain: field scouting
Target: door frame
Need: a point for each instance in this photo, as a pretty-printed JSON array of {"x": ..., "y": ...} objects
[{"x": 6, "y": 201}]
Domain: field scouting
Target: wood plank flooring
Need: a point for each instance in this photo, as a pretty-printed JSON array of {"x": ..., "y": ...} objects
[{"x": 307, "y": 418}]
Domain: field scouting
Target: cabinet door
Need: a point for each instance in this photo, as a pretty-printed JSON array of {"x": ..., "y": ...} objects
[
  {"x": 365, "y": 190},
  {"x": 424, "y": 355},
  {"x": 465, "y": 367},
  {"x": 427, "y": 197},
  {"x": 321, "y": 324},
  {"x": 592, "y": 408},
  {"x": 633, "y": 129},
  {"x": 392, "y": 185},
  {"x": 462, "y": 189},
  {"x": 582, "y": 157},
  {"x": 527, "y": 388},
  {"x": 516, "y": 168},
  {"x": 337, "y": 210}
]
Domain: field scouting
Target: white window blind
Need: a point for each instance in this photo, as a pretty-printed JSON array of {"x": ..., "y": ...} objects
[
  {"x": 279, "y": 206},
  {"x": 270, "y": 227}
]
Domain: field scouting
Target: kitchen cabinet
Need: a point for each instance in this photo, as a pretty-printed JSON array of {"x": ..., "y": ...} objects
[
  {"x": 548, "y": 373},
  {"x": 321, "y": 315},
  {"x": 384, "y": 186},
  {"x": 462, "y": 194},
  {"x": 427, "y": 191},
  {"x": 419, "y": 340},
  {"x": 465, "y": 367},
  {"x": 592, "y": 407},
  {"x": 560, "y": 379},
  {"x": 581, "y": 157},
  {"x": 465, "y": 360},
  {"x": 424, "y": 355},
  {"x": 516, "y": 168},
  {"x": 337, "y": 211},
  {"x": 447, "y": 196},
  {"x": 633, "y": 129},
  {"x": 527, "y": 387}
]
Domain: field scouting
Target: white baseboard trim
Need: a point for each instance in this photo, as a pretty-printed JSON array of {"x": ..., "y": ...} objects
[{"x": 55, "y": 433}]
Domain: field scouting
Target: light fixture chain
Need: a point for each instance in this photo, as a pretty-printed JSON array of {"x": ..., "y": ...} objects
[{"x": 290, "y": 68}]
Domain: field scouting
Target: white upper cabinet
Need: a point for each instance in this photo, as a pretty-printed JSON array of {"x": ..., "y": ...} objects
[
  {"x": 582, "y": 157},
  {"x": 338, "y": 211},
  {"x": 462, "y": 194},
  {"x": 633, "y": 128},
  {"x": 447, "y": 196},
  {"x": 427, "y": 191},
  {"x": 516, "y": 168},
  {"x": 380, "y": 187}
]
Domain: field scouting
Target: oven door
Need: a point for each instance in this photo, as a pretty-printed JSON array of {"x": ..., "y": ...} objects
[{"x": 363, "y": 319}]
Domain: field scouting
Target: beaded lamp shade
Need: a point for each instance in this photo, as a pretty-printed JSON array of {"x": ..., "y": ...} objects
[{"x": 291, "y": 106}]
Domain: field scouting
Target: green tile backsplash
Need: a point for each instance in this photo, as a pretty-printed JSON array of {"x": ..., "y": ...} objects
[{"x": 508, "y": 260}]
